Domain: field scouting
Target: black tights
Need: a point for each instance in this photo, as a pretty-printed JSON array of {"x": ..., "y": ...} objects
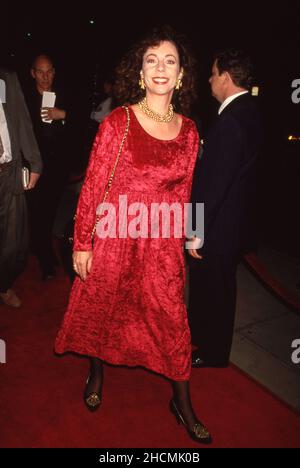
[
  {"x": 181, "y": 391},
  {"x": 182, "y": 399},
  {"x": 96, "y": 377}
]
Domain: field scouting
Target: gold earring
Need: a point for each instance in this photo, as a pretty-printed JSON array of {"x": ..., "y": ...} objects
[
  {"x": 142, "y": 83},
  {"x": 178, "y": 84}
]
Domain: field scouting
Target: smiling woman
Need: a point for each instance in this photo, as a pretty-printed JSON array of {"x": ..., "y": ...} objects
[
  {"x": 127, "y": 304},
  {"x": 178, "y": 58}
]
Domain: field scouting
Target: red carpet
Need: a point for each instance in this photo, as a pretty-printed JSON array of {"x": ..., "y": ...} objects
[
  {"x": 41, "y": 395},
  {"x": 258, "y": 268}
]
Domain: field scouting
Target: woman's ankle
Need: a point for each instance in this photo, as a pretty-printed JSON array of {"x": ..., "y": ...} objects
[{"x": 96, "y": 366}]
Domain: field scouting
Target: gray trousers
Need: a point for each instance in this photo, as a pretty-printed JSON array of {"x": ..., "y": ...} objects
[{"x": 13, "y": 230}]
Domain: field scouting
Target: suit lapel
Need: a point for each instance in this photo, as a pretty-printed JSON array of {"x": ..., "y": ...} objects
[{"x": 8, "y": 120}]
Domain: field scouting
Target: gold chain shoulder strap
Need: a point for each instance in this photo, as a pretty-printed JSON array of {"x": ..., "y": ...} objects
[{"x": 110, "y": 180}]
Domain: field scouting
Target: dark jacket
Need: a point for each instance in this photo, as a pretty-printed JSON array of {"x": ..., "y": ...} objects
[
  {"x": 51, "y": 137},
  {"x": 20, "y": 130},
  {"x": 225, "y": 179}
]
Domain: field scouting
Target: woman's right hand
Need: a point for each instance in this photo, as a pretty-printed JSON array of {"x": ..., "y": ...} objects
[{"x": 82, "y": 263}]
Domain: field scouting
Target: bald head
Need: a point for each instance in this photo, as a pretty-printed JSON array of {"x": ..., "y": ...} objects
[{"x": 43, "y": 72}]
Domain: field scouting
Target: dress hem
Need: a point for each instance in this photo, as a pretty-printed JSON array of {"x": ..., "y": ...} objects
[{"x": 62, "y": 351}]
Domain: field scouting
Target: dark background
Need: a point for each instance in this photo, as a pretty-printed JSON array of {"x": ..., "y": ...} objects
[{"x": 84, "y": 52}]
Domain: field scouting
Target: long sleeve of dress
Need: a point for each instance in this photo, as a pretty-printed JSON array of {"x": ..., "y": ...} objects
[
  {"x": 194, "y": 144},
  {"x": 102, "y": 158},
  {"x": 187, "y": 188}
]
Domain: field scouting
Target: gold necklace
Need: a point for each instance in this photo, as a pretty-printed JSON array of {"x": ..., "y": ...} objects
[{"x": 154, "y": 115}]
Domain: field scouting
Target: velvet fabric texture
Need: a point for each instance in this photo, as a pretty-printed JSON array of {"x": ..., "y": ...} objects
[{"x": 130, "y": 310}]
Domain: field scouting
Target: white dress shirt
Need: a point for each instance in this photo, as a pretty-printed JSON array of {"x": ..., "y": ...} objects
[
  {"x": 229, "y": 100},
  {"x": 6, "y": 156}
]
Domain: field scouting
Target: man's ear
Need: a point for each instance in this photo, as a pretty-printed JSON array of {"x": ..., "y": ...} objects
[
  {"x": 227, "y": 78},
  {"x": 32, "y": 73}
]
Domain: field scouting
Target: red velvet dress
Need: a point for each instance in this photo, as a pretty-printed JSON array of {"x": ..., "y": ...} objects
[{"x": 130, "y": 310}]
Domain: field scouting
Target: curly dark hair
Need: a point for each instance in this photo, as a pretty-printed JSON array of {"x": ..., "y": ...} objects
[
  {"x": 238, "y": 64},
  {"x": 127, "y": 89}
]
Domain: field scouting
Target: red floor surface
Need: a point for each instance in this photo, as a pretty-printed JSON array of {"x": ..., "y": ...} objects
[{"x": 41, "y": 394}]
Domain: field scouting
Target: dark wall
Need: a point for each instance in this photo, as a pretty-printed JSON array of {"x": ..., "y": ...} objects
[{"x": 84, "y": 52}]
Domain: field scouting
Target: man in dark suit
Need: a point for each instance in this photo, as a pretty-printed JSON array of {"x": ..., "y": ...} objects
[
  {"x": 16, "y": 139},
  {"x": 225, "y": 181},
  {"x": 51, "y": 136}
]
